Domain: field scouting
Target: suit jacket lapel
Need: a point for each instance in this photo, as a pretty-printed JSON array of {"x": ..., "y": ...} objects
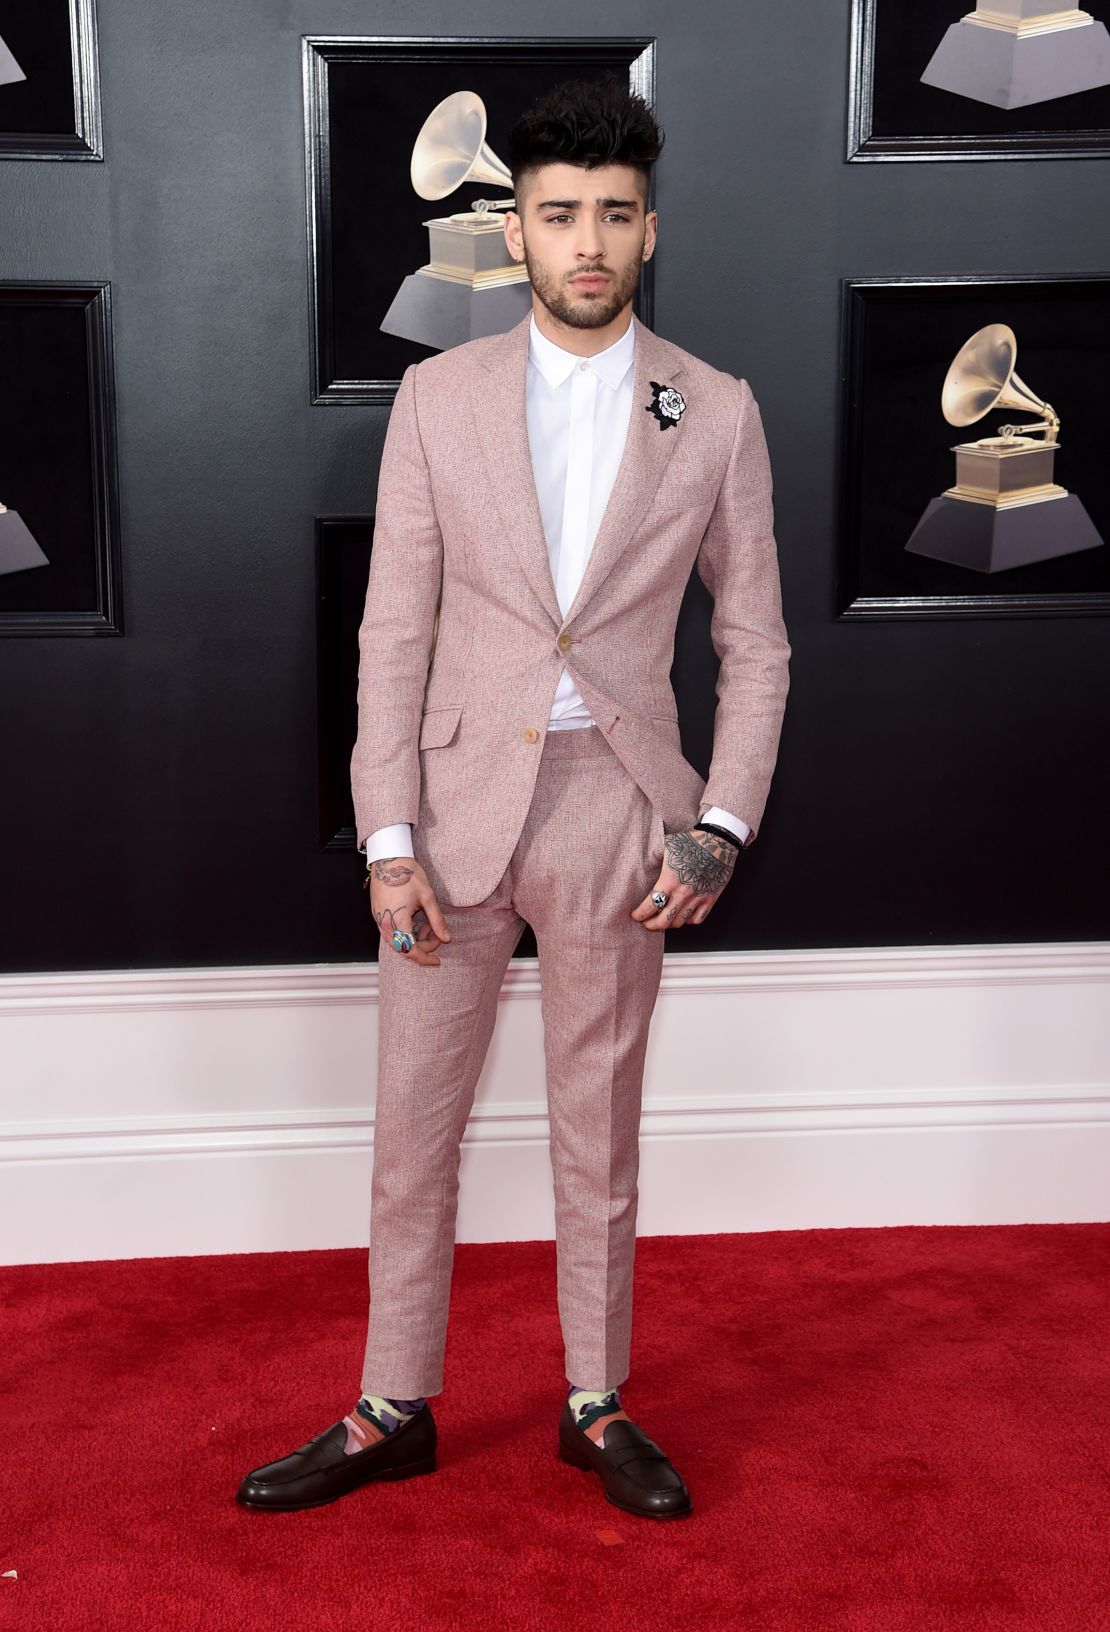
[
  {"x": 500, "y": 410},
  {"x": 648, "y": 450},
  {"x": 501, "y": 415}
]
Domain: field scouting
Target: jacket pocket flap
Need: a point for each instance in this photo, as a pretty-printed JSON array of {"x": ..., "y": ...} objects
[{"x": 438, "y": 725}]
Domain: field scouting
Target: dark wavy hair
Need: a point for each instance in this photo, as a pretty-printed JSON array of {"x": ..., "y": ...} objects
[{"x": 589, "y": 122}]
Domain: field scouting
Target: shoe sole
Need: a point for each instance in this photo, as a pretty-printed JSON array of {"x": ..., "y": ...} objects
[
  {"x": 583, "y": 1462},
  {"x": 409, "y": 1471}
]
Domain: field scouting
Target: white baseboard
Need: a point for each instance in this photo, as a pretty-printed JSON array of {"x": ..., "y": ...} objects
[{"x": 170, "y": 1112}]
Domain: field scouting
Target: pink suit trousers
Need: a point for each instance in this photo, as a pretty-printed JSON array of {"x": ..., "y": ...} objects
[{"x": 589, "y": 851}]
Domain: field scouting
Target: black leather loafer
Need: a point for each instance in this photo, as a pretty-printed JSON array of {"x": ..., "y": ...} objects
[
  {"x": 635, "y": 1472},
  {"x": 321, "y": 1472}
]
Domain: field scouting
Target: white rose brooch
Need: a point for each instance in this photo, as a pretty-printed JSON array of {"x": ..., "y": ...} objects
[{"x": 668, "y": 405}]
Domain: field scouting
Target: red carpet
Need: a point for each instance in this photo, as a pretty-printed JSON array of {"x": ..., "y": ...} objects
[{"x": 882, "y": 1430}]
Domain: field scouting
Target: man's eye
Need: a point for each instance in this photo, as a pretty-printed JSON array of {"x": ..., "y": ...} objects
[{"x": 612, "y": 216}]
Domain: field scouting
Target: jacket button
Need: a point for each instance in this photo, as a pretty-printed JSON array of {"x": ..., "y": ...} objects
[
  {"x": 530, "y": 733},
  {"x": 563, "y": 642}
]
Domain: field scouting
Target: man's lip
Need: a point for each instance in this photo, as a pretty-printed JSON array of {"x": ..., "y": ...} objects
[{"x": 590, "y": 277}]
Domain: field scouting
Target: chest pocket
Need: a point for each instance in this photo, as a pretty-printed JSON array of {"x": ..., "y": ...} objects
[{"x": 692, "y": 493}]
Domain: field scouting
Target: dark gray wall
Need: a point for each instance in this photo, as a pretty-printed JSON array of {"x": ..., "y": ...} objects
[{"x": 159, "y": 802}]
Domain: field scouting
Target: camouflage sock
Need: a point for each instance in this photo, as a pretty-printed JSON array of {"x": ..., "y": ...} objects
[
  {"x": 374, "y": 1417},
  {"x": 589, "y": 1408}
]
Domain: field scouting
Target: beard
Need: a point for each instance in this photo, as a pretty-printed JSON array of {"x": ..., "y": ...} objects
[{"x": 592, "y": 308}]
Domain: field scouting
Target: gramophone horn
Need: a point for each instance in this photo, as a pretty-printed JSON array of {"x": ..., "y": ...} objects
[
  {"x": 451, "y": 148},
  {"x": 983, "y": 376}
]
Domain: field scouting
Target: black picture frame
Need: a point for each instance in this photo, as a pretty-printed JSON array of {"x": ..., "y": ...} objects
[
  {"x": 893, "y": 117},
  {"x": 365, "y": 99},
  {"x": 54, "y": 113},
  {"x": 342, "y": 546},
  {"x": 58, "y": 460},
  {"x": 899, "y": 337}
]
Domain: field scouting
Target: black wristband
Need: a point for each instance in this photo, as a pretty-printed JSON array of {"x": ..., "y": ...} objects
[{"x": 719, "y": 832}]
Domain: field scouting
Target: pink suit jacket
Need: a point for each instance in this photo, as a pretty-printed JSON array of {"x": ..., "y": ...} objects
[{"x": 462, "y": 639}]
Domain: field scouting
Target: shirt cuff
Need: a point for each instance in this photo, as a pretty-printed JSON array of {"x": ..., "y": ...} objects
[
  {"x": 724, "y": 818},
  {"x": 394, "y": 840}
]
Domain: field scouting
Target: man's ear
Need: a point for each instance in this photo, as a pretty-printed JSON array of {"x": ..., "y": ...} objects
[{"x": 512, "y": 234}]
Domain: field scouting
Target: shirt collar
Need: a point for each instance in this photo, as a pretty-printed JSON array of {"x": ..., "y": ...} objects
[{"x": 557, "y": 365}]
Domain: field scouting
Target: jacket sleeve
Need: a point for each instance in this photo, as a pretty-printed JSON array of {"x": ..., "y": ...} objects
[
  {"x": 738, "y": 564},
  {"x": 398, "y": 625}
]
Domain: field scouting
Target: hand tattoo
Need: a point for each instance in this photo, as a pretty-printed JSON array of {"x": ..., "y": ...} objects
[
  {"x": 701, "y": 860},
  {"x": 393, "y": 870},
  {"x": 421, "y": 929}
]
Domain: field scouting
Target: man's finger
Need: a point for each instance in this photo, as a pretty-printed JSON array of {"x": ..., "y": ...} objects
[
  {"x": 645, "y": 908},
  {"x": 410, "y": 921},
  {"x": 435, "y": 915},
  {"x": 427, "y": 941},
  {"x": 664, "y": 917},
  {"x": 665, "y": 882},
  {"x": 423, "y": 953}
]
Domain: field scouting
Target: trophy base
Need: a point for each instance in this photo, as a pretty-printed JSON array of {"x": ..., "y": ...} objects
[
  {"x": 441, "y": 313},
  {"x": 10, "y": 71},
  {"x": 18, "y": 550},
  {"x": 983, "y": 539},
  {"x": 1008, "y": 70}
]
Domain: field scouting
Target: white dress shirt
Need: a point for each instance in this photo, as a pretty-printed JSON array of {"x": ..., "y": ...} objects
[{"x": 578, "y": 409}]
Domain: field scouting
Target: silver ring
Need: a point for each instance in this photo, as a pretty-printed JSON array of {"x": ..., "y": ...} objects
[
  {"x": 659, "y": 898},
  {"x": 402, "y": 941}
]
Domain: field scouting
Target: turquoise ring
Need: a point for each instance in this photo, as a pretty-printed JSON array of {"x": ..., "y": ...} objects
[{"x": 403, "y": 941}]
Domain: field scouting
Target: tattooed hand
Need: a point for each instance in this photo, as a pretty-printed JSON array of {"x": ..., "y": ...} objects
[
  {"x": 696, "y": 869},
  {"x": 402, "y": 898}
]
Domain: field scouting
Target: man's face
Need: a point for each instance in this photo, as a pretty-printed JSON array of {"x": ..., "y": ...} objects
[{"x": 583, "y": 235}]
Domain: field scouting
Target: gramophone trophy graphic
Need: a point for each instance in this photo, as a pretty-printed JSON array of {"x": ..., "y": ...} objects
[
  {"x": 18, "y": 547},
  {"x": 10, "y": 71},
  {"x": 471, "y": 285},
  {"x": 1011, "y": 53},
  {"x": 1006, "y": 508}
]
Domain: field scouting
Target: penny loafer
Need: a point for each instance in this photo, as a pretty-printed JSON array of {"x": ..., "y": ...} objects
[
  {"x": 320, "y": 1471},
  {"x": 636, "y": 1474}
]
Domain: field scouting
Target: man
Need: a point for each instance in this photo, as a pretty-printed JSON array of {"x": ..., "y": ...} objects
[{"x": 543, "y": 497}]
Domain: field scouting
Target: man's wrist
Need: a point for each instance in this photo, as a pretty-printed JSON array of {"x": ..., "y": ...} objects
[
  {"x": 386, "y": 843},
  {"x": 718, "y": 832},
  {"x": 735, "y": 826}
]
